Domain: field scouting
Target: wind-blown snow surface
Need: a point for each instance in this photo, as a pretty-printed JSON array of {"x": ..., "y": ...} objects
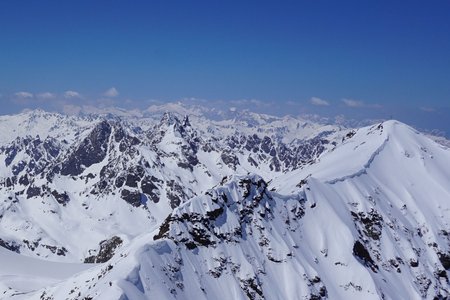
[{"x": 367, "y": 218}]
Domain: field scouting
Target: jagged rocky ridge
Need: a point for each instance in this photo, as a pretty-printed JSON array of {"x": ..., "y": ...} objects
[
  {"x": 370, "y": 219},
  {"x": 111, "y": 170}
]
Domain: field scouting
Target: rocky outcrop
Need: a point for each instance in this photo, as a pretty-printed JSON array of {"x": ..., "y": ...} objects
[
  {"x": 106, "y": 252},
  {"x": 90, "y": 151}
]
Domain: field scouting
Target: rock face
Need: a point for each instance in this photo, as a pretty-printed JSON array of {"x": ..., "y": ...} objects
[
  {"x": 106, "y": 252},
  {"x": 254, "y": 207},
  {"x": 91, "y": 150}
]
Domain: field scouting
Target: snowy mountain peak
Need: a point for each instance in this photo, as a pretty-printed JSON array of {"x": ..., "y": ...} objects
[
  {"x": 169, "y": 119},
  {"x": 186, "y": 121}
]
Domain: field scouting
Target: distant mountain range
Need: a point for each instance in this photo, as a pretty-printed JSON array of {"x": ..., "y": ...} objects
[{"x": 186, "y": 202}]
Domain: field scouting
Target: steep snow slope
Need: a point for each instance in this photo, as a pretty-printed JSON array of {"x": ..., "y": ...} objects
[
  {"x": 370, "y": 220},
  {"x": 394, "y": 147}
]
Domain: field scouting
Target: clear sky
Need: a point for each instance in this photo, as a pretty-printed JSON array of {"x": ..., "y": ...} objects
[{"x": 363, "y": 59}]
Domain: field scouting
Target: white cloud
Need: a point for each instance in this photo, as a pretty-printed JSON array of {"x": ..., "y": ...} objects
[
  {"x": 251, "y": 103},
  {"x": 427, "y": 109},
  {"x": 46, "y": 95},
  {"x": 24, "y": 95},
  {"x": 23, "y": 98},
  {"x": 353, "y": 103},
  {"x": 112, "y": 92},
  {"x": 318, "y": 102},
  {"x": 71, "y": 94},
  {"x": 195, "y": 100},
  {"x": 70, "y": 109}
]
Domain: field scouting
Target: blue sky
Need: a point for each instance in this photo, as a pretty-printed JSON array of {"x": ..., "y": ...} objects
[{"x": 363, "y": 59}]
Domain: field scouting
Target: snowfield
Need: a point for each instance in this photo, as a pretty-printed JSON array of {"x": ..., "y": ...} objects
[
  {"x": 20, "y": 274},
  {"x": 248, "y": 207}
]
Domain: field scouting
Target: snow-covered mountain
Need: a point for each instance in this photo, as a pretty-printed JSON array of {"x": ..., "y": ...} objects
[
  {"x": 232, "y": 205},
  {"x": 100, "y": 176}
]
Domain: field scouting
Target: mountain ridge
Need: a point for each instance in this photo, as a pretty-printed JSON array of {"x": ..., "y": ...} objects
[
  {"x": 366, "y": 215},
  {"x": 153, "y": 170}
]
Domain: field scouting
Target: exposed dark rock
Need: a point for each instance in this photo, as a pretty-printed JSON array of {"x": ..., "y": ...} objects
[
  {"x": 32, "y": 245},
  {"x": 444, "y": 259},
  {"x": 186, "y": 122},
  {"x": 230, "y": 159},
  {"x": 120, "y": 180},
  {"x": 91, "y": 150},
  {"x": 119, "y": 134},
  {"x": 252, "y": 161},
  {"x": 134, "y": 176},
  {"x": 60, "y": 251},
  {"x": 441, "y": 274},
  {"x": 163, "y": 229},
  {"x": 214, "y": 214},
  {"x": 363, "y": 255},
  {"x": 12, "y": 246},
  {"x": 275, "y": 165},
  {"x": 252, "y": 288},
  {"x": 266, "y": 144},
  {"x": 190, "y": 245},
  {"x": 414, "y": 263},
  {"x": 61, "y": 198},
  {"x": 201, "y": 237},
  {"x": 279, "y": 156},
  {"x": 51, "y": 147},
  {"x": 185, "y": 165},
  {"x": 133, "y": 198},
  {"x": 349, "y": 135},
  {"x": 11, "y": 153},
  {"x": 16, "y": 169},
  {"x": 9, "y": 182},
  {"x": 23, "y": 180},
  {"x": 253, "y": 206},
  {"x": 132, "y": 180},
  {"x": 149, "y": 187},
  {"x": 106, "y": 252},
  {"x": 253, "y": 143},
  {"x": 175, "y": 193},
  {"x": 303, "y": 182},
  {"x": 33, "y": 191},
  {"x": 372, "y": 223},
  {"x": 189, "y": 152}
]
